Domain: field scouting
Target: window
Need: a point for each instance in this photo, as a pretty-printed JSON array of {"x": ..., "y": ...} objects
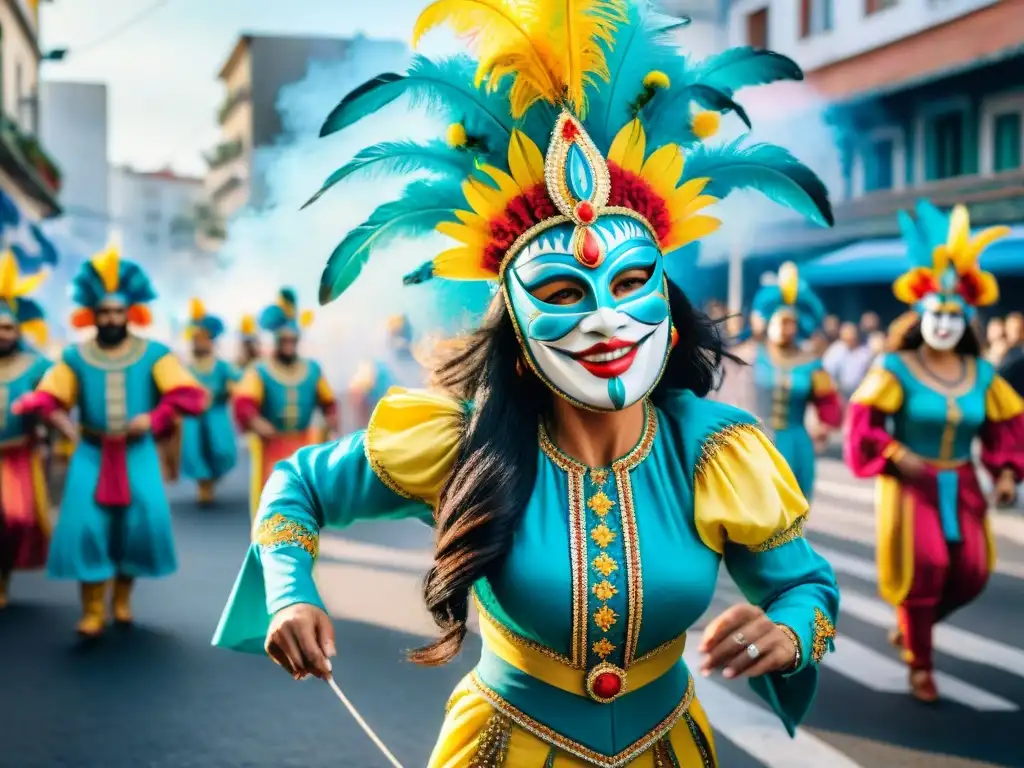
[
  {"x": 879, "y": 165},
  {"x": 757, "y": 28},
  {"x": 874, "y": 6},
  {"x": 1006, "y": 142},
  {"x": 815, "y": 17},
  {"x": 947, "y": 147}
]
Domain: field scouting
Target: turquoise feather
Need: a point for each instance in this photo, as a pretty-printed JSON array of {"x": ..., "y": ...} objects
[
  {"x": 422, "y": 207},
  {"x": 769, "y": 169},
  {"x": 737, "y": 68},
  {"x": 442, "y": 88},
  {"x": 918, "y": 251},
  {"x": 668, "y": 119},
  {"x": 404, "y": 157}
]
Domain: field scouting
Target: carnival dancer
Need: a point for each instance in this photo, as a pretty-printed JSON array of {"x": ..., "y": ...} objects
[
  {"x": 115, "y": 521},
  {"x": 250, "y": 342},
  {"x": 581, "y": 487},
  {"x": 787, "y": 379},
  {"x": 278, "y": 397},
  {"x": 24, "y": 502},
  {"x": 209, "y": 450},
  {"x": 912, "y": 423},
  {"x": 398, "y": 367}
]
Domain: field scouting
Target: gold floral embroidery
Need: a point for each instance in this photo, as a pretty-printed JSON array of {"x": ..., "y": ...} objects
[
  {"x": 604, "y": 564},
  {"x": 600, "y": 504},
  {"x": 824, "y": 634},
  {"x": 714, "y": 443},
  {"x": 599, "y": 477},
  {"x": 605, "y": 590},
  {"x": 602, "y": 535},
  {"x": 492, "y": 745},
  {"x": 786, "y": 535},
  {"x": 605, "y": 618},
  {"x": 603, "y": 648},
  {"x": 278, "y": 531}
]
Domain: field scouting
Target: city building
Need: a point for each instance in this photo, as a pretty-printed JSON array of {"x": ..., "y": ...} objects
[
  {"x": 256, "y": 70},
  {"x": 155, "y": 215},
  {"x": 923, "y": 99},
  {"x": 29, "y": 177},
  {"x": 706, "y": 33}
]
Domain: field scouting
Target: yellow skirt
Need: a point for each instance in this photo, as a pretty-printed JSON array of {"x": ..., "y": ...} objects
[{"x": 476, "y": 735}]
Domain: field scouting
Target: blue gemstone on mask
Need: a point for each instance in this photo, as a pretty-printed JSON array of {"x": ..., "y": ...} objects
[
  {"x": 617, "y": 393},
  {"x": 578, "y": 174}
]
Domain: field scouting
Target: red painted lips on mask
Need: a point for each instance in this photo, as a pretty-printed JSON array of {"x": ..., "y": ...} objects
[{"x": 608, "y": 359}]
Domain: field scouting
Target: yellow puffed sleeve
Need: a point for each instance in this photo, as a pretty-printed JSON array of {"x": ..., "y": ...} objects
[
  {"x": 412, "y": 442},
  {"x": 1002, "y": 402},
  {"x": 250, "y": 386},
  {"x": 169, "y": 374},
  {"x": 821, "y": 383},
  {"x": 60, "y": 382},
  {"x": 880, "y": 390},
  {"x": 324, "y": 393},
  {"x": 745, "y": 492}
]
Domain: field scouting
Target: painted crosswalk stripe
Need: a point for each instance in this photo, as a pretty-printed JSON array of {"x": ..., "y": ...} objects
[
  {"x": 886, "y": 675},
  {"x": 758, "y": 732}
]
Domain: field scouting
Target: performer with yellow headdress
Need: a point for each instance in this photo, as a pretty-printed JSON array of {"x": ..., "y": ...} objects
[
  {"x": 115, "y": 521},
  {"x": 912, "y": 424},
  {"x": 787, "y": 380},
  {"x": 24, "y": 506},
  {"x": 583, "y": 490},
  {"x": 249, "y": 342},
  {"x": 208, "y": 441},
  {"x": 278, "y": 397}
]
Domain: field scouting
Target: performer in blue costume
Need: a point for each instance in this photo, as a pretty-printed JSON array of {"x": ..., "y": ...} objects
[
  {"x": 398, "y": 367},
  {"x": 209, "y": 450},
  {"x": 277, "y": 398},
  {"x": 115, "y": 522},
  {"x": 912, "y": 425},
  {"x": 788, "y": 379},
  {"x": 24, "y": 502},
  {"x": 582, "y": 490}
]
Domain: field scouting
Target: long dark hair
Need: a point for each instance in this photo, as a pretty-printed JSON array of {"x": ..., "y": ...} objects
[
  {"x": 494, "y": 476},
  {"x": 910, "y": 339}
]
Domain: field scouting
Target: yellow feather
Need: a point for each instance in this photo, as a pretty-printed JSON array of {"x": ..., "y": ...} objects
[
  {"x": 29, "y": 285},
  {"x": 474, "y": 220},
  {"x": 959, "y": 229},
  {"x": 967, "y": 258},
  {"x": 8, "y": 276},
  {"x": 108, "y": 266},
  {"x": 580, "y": 33},
  {"x": 903, "y": 287},
  {"x": 940, "y": 260},
  {"x": 685, "y": 194},
  {"x": 37, "y": 330},
  {"x": 460, "y": 264},
  {"x": 248, "y": 325},
  {"x": 627, "y": 150},
  {"x": 507, "y": 186},
  {"x": 663, "y": 169},
  {"x": 306, "y": 318},
  {"x": 525, "y": 160},
  {"x": 989, "y": 293},
  {"x": 196, "y": 310},
  {"x": 699, "y": 203},
  {"x": 789, "y": 282},
  {"x": 484, "y": 199},
  {"x": 469, "y": 236},
  {"x": 690, "y": 230}
]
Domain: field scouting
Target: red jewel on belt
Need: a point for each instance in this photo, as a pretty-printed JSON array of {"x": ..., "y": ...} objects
[{"x": 605, "y": 683}]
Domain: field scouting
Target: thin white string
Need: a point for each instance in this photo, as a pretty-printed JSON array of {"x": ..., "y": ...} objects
[{"x": 362, "y": 723}]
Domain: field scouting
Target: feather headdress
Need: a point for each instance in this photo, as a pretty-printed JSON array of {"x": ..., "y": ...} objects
[
  {"x": 791, "y": 294},
  {"x": 247, "y": 327},
  {"x": 284, "y": 314},
  {"x": 202, "y": 321},
  {"x": 572, "y": 109},
  {"x": 106, "y": 277},
  {"x": 15, "y": 301},
  {"x": 945, "y": 258}
]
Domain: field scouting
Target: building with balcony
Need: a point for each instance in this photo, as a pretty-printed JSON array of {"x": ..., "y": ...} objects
[
  {"x": 28, "y": 175},
  {"x": 923, "y": 99},
  {"x": 256, "y": 70}
]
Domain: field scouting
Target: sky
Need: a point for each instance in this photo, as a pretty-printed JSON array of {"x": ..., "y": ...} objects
[{"x": 161, "y": 73}]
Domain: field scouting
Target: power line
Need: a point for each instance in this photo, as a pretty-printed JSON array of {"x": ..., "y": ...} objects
[{"x": 122, "y": 27}]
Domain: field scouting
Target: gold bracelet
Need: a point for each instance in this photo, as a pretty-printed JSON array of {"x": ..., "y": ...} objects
[{"x": 798, "y": 656}]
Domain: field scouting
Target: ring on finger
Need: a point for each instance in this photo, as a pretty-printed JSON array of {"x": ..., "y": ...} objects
[
  {"x": 739, "y": 639},
  {"x": 753, "y": 651}
]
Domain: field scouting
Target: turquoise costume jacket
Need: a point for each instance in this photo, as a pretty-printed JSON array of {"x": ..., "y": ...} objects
[
  {"x": 208, "y": 446},
  {"x": 19, "y": 375},
  {"x": 608, "y": 566}
]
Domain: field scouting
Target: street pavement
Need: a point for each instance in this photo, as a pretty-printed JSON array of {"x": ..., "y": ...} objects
[{"x": 158, "y": 696}]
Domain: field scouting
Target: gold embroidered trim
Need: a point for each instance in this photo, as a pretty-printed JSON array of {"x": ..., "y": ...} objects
[
  {"x": 97, "y": 357},
  {"x": 287, "y": 376},
  {"x": 518, "y": 639},
  {"x": 659, "y": 649},
  {"x": 492, "y": 746},
  {"x": 631, "y": 545},
  {"x": 552, "y": 737},
  {"x": 578, "y": 557},
  {"x": 824, "y": 634},
  {"x": 715, "y": 442},
  {"x": 278, "y": 531},
  {"x": 786, "y": 535},
  {"x": 14, "y": 366},
  {"x": 637, "y": 454}
]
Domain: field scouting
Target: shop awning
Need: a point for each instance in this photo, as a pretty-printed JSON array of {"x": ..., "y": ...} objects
[
  {"x": 32, "y": 249},
  {"x": 881, "y": 261}
]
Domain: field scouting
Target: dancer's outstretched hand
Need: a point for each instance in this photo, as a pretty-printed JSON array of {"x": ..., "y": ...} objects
[
  {"x": 301, "y": 639},
  {"x": 745, "y": 641}
]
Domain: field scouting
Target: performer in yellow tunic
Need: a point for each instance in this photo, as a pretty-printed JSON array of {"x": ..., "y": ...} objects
[{"x": 582, "y": 489}]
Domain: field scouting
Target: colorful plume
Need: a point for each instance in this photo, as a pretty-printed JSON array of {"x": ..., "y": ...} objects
[{"x": 15, "y": 302}]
